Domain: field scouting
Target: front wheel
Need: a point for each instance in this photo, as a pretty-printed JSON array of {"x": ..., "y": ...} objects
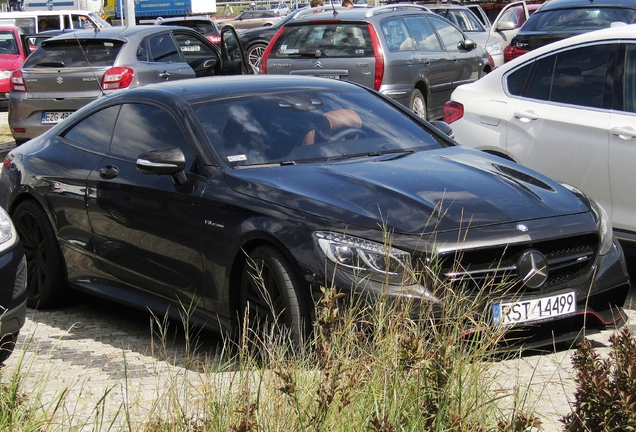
[
  {"x": 418, "y": 104},
  {"x": 46, "y": 286},
  {"x": 271, "y": 299}
]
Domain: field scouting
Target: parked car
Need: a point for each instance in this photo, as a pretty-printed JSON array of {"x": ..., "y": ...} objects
[
  {"x": 203, "y": 24},
  {"x": 229, "y": 194},
  {"x": 71, "y": 70},
  {"x": 560, "y": 19},
  {"x": 480, "y": 13},
  {"x": 13, "y": 52},
  {"x": 250, "y": 19},
  {"x": 255, "y": 40},
  {"x": 406, "y": 52},
  {"x": 510, "y": 20},
  {"x": 467, "y": 22},
  {"x": 566, "y": 110},
  {"x": 13, "y": 285},
  {"x": 281, "y": 9}
]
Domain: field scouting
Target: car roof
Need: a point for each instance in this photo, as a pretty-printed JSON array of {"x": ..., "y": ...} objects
[
  {"x": 185, "y": 18},
  {"x": 119, "y": 32},
  {"x": 327, "y": 12},
  {"x": 571, "y": 4}
]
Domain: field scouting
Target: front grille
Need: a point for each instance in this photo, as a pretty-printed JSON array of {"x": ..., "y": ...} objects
[{"x": 567, "y": 259}]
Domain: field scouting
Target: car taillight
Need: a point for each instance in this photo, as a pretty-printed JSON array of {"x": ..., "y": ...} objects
[
  {"x": 263, "y": 66},
  {"x": 379, "y": 58},
  {"x": 453, "y": 111},
  {"x": 215, "y": 39},
  {"x": 117, "y": 78},
  {"x": 511, "y": 53},
  {"x": 17, "y": 82}
]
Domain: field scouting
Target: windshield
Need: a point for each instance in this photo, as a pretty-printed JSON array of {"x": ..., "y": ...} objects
[
  {"x": 578, "y": 19},
  {"x": 308, "y": 125},
  {"x": 8, "y": 43}
]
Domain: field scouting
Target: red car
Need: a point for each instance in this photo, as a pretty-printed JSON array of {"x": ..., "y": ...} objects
[{"x": 12, "y": 55}]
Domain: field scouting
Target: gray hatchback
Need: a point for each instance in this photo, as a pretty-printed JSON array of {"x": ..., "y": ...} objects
[
  {"x": 406, "y": 52},
  {"x": 71, "y": 70}
]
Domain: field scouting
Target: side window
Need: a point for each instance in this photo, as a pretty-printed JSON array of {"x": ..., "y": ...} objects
[
  {"x": 397, "y": 35},
  {"x": 49, "y": 23},
  {"x": 629, "y": 95},
  {"x": 163, "y": 49},
  {"x": 89, "y": 133},
  {"x": 511, "y": 16},
  {"x": 81, "y": 22},
  {"x": 201, "y": 58},
  {"x": 449, "y": 34},
  {"x": 423, "y": 33},
  {"x": 574, "y": 77},
  {"x": 142, "y": 127}
]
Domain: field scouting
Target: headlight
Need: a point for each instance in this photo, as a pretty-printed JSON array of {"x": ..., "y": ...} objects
[
  {"x": 364, "y": 257},
  {"x": 603, "y": 226},
  {"x": 494, "y": 49},
  {"x": 5, "y": 74},
  {"x": 8, "y": 234}
]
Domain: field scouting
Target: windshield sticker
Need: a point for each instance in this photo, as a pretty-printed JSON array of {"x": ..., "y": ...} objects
[{"x": 237, "y": 158}]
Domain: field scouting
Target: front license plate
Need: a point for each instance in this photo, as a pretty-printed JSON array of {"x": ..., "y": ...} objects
[
  {"x": 53, "y": 117},
  {"x": 534, "y": 310}
]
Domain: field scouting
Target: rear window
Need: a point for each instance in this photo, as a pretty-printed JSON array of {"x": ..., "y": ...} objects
[
  {"x": 324, "y": 40},
  {"x": 74, "y": 53},
  {"x": 202, "y": 27},
  {"x": 579, "y": 19}
]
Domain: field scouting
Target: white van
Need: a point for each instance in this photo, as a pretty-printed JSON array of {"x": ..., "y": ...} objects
[{"x": 36, "y": 21}]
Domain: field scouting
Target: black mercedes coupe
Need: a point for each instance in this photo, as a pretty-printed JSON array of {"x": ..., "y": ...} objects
[{"x": 234, "y": 192}]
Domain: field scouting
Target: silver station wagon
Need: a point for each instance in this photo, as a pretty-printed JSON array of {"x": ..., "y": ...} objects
[{"x": 406, "y": 52}]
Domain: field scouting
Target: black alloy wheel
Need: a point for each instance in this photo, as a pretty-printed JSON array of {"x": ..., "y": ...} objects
[{"x": 45, "y": 282}]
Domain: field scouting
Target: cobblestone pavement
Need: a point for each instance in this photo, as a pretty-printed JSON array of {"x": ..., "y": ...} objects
[{"x": 106, "y": 356}]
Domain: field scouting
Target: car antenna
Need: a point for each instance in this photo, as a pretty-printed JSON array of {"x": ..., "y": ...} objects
[
  {"x": 333, "y": 7},
  {"x": 101, "y": 90}
]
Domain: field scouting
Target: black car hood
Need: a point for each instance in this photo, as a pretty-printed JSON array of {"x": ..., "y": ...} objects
[{"x": 412, "y": 193}]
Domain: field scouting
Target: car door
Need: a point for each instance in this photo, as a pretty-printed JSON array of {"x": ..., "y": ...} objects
[
  {"x": 429, "y": 62},
  {"x": 201, "y": 56},
  {"x": 147, "y": 228},
  {"x": 163, "y": 55},
  {"x": 622, "y": 147},
  {"x": 562, "y": 117},
  {"x": 508, "y": 22}
]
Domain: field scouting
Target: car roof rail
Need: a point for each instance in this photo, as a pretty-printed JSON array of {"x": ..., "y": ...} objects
[
  {"x": 312, "y": 10},
  {"x": 395, "y": 7}
]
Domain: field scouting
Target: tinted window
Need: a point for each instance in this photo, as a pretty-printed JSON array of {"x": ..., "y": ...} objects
[
  {"x": 630, "y": 79},
  {"x": 450, "y": 35},
  {"x": 575, "y": 77},
  {"x": 95, "y": 131},
  {"x": 74, "y": 53},
  {"x": 197, "y": 54},
  {"x": 8, "y": 44},
  {"x": 163, "y": 49},
  {"x": 304, "y": 126},
  {"x": 141, "y": 128},
  {"x": 332, "y": 40}
]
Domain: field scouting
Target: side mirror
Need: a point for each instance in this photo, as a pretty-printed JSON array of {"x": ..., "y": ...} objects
[
  {"x": 444, "y": 128},
  {"x": 165, "y": 161},
  {"x": 506, "y": 25},
  {"x": 467, "y": 45}
]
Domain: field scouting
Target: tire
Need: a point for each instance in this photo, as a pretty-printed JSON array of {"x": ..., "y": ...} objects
[
  {"x": 46, "y": 285},
  {"x": 267, "y": 267},
  {"x": 7, "y": 344},
  {"x": 255, "y": 55},
  {"x": 418, "y": 104}
]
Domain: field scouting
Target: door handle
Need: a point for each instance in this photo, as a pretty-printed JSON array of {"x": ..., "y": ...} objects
[
  {"x": 625, "y": 133},
  {"x": 164, "y": 75},
  {"x": 109, "y": 172},
  {"x": 526, "y": 116}
]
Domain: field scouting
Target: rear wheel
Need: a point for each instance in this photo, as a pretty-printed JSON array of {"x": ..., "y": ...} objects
[
  {"x": 418, "y": 104},
  {"x": 46, "y": 286},
  {"x": 270, "y": 296},
  {"x": 255, "y": 54}
]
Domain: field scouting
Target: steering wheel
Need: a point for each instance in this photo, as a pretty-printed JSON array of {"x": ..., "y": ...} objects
[{"x": 343, "y": 134}]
